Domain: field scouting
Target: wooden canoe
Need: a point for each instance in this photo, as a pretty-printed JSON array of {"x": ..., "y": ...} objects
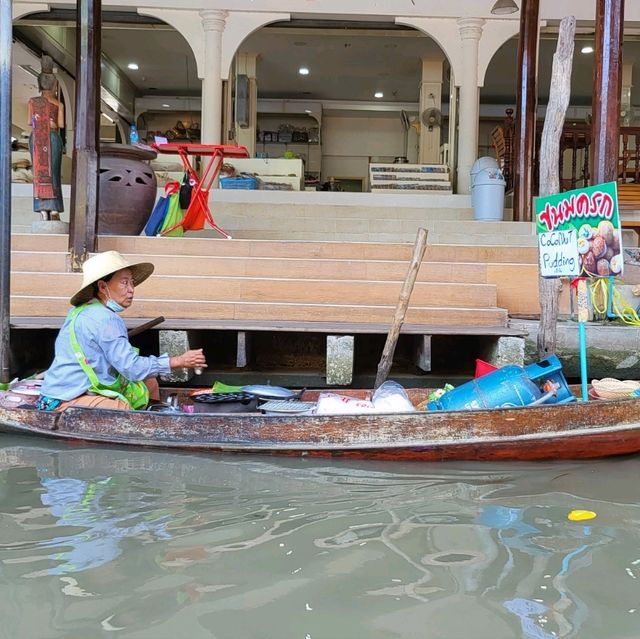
[{"x": 578, "y": 430}]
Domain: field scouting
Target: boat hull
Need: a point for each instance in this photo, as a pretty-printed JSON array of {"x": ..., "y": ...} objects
[{"x": 571, "y": 431}]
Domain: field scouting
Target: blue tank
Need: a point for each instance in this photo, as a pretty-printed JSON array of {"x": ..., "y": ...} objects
[{"x": 509, "y": 386}]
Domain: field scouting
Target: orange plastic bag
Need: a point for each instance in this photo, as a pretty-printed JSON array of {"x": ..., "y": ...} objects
[{"x": 195, "y": 216}]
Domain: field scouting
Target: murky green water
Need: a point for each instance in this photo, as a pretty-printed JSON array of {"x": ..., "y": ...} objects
[{"x": 103, "y": 542}]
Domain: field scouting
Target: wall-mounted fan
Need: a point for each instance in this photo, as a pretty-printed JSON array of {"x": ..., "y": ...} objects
[{"x": 431, "y": 118}]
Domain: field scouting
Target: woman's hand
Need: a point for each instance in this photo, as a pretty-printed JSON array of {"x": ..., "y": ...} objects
[{"x": 190, "y": 359}]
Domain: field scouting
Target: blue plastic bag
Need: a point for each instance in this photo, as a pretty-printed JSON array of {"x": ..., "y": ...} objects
[{"x": 160, "y": 210}]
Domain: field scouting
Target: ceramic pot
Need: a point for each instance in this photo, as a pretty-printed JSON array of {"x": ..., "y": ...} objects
[{"x": 127, "y": 189}]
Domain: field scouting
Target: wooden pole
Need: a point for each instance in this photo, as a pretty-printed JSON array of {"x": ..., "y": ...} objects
[
  {"x": 141, "y": 328},
  {"x": 84, "y": 184},
  {"x": 401, "y": 308},
  {"x": 6, "y": 28},
  {"x": 607, "y": 87},
  {"x": 559, "y": 94},
  {"x": 526, "y": 110}
]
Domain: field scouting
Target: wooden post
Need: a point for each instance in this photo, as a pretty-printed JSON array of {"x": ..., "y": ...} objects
[
  {"x": 559, "y": 94},
  {"x": 84, "y": 184},
  {"x": 6, "y": 28},
  {"x": 526, "y": 110},
  {"x": 607, "y": 86},
  {"x": 401, "y": 308}
]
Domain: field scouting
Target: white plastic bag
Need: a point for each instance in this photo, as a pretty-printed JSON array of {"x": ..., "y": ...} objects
[
  {"x": 334, "y": 404},
  {"x": 391, "y": 397}
]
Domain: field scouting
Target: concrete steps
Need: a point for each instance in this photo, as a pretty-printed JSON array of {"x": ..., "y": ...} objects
[{"x": 266, "y": 280}]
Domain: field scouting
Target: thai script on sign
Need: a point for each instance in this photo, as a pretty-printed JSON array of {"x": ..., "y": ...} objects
[{"x": 577, "y": 205}]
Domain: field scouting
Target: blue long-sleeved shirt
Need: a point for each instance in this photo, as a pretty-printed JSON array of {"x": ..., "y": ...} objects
[{"x": 102, "y": 336}]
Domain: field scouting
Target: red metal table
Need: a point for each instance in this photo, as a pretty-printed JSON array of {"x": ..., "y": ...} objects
[{"x": 216, "y": 153}]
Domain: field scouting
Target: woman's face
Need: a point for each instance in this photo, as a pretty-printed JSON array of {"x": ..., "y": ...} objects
[{"x": 120, "y": 287}]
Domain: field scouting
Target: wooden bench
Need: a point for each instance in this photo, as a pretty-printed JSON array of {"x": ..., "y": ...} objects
[{"x": 336, "y": 332}]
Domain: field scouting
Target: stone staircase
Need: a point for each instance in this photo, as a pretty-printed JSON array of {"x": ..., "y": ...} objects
[{"x": 208, "y": 281}]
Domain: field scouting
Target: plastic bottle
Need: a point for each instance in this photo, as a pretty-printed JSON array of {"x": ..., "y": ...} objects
[{"x": 133, "y": 134}]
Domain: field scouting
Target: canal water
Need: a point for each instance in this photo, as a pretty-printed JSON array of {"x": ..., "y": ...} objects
[{"x": 108, "y": 542}]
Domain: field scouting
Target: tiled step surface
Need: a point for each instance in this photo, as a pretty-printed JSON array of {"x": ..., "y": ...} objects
[{"x": 267, "y": 280}]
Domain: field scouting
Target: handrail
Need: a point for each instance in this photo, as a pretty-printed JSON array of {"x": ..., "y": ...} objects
[{"x": 575, "y": 153}]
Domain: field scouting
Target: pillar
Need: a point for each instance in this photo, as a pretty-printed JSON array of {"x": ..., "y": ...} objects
[
  {"x": 213, "y": 23},
  {"x": 470, "y": 30},
  {"x": 86, "y": 143},
  {"x": 525, "y": 134},
  {"x": 430, "y": 97},
  {"x": 246, "y": 131},
  {"x": 6, "y": 26},
  {"x": 625, "y": 95},
  {"x": 607, "y": 85}
]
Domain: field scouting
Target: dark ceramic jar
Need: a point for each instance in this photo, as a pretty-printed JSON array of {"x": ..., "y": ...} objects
[{"x": 127, "y": 189}]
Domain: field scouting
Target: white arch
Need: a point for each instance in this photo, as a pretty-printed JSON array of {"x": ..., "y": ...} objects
[
  {"x": 494, "y": 34},
  {"x": 188, "y": 24},
  {"x": 443, "y": 31},
  {"x": 22, "y": 9},
  {"x": 238, "y": 27}
]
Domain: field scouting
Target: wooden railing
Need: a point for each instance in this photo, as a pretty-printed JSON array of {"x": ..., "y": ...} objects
[{"x": 575, "y": 153}]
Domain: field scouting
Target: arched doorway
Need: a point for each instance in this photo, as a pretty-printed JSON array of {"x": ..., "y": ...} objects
[{"x": 341, "y": 94}]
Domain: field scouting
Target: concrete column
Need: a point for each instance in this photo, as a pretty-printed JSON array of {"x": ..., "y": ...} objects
[
  {"x": 625, "y": 98},
  {"x": 246, "y": 133},
  {"x": 470, "y": 30},
  {"x": 430, "y": 97},
  {"x": 213, "y": 23}
]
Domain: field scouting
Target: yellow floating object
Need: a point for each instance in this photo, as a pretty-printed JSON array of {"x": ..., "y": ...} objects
[{"x": 581, "y": 515}]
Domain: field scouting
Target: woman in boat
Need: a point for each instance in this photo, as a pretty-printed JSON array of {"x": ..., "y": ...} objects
[{"x": 94, "y": 364}]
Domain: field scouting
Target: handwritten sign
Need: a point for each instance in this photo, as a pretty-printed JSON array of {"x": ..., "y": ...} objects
[
  {"x": 583, "y": 223},
  {"x": 559, "y": 254}
]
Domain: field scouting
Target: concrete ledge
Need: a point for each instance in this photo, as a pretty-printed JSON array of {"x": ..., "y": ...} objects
[
  {"x": 613, "y": 350},
  {"x": 408, "y": 200}
]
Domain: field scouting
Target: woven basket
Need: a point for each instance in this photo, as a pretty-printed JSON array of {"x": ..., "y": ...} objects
[{"x": 609, "y": 388}]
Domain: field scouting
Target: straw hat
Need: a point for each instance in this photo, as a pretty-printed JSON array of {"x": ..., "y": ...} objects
[{"x": 103, "y": 264}]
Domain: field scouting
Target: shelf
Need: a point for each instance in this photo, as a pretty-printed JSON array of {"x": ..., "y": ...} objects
[{"x": 290, "y": 143}]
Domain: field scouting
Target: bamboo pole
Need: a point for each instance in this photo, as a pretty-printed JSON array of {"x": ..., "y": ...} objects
[
  {"x": 6, "y": 28},
  {"x": 559, "y": 94},
  {"x": 401, "y": 307}
]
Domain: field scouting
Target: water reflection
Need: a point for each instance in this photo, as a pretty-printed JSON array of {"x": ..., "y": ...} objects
[{"x": 138, "y": 543}]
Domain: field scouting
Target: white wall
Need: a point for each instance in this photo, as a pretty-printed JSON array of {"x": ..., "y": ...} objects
[{"x": 349, "y": 141}]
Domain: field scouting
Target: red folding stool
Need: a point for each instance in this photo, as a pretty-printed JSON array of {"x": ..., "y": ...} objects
[{"x": 198, "y": 210}]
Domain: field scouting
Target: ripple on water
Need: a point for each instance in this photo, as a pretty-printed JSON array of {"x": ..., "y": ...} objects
[{"x": 137, "y": 543}]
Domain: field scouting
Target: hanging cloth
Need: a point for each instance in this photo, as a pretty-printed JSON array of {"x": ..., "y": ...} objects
[{"x": 42, "y": 113}]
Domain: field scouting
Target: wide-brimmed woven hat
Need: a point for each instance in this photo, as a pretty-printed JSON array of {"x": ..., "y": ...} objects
[{"x": 103, "y": 264}]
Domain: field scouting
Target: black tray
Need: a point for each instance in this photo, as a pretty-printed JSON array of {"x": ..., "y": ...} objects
[{"x": 220, "y": 398}]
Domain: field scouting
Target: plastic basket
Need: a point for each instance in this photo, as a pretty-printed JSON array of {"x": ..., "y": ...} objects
[
  {"x": 610, "y": 388},
  {"x": 246, "y": 183}
]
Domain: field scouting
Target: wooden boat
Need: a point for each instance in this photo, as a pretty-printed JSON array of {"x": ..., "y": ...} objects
[{"x": 578, "y": 430}]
